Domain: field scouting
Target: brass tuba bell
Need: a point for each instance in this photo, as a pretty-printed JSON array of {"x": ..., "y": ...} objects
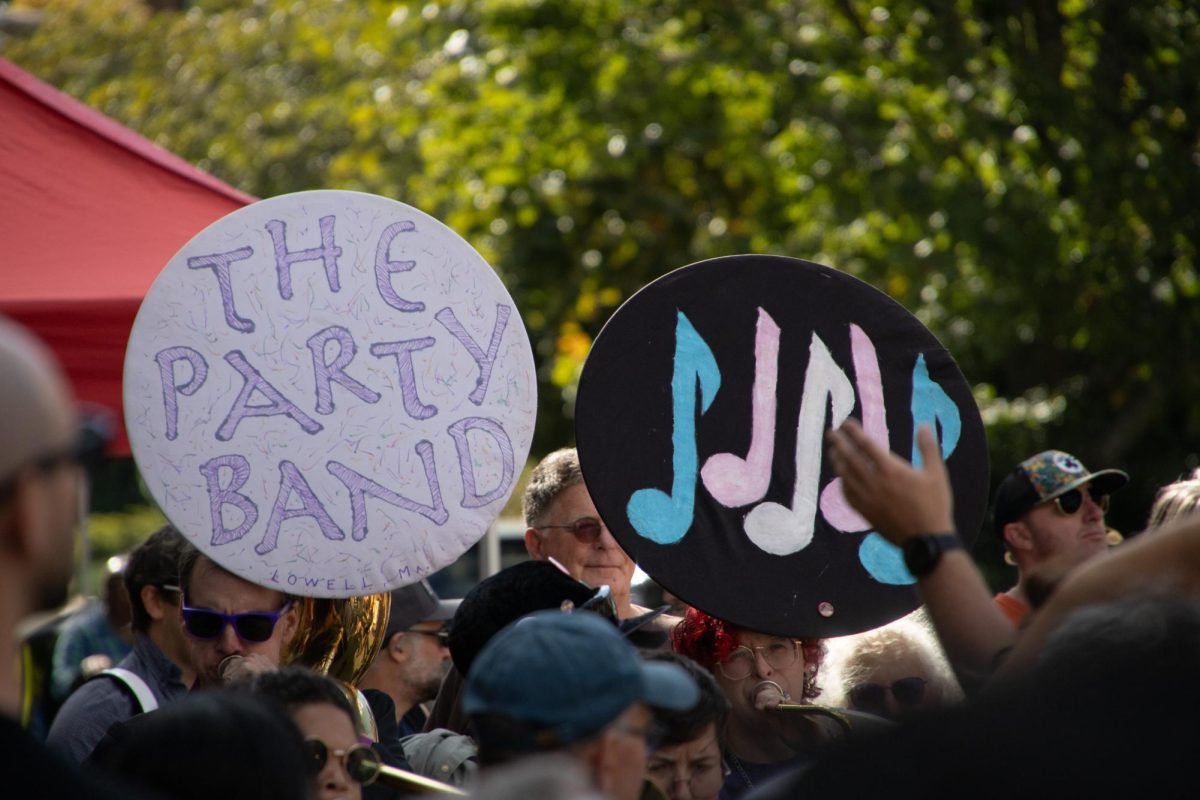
[{"x": 339, "y": 637}]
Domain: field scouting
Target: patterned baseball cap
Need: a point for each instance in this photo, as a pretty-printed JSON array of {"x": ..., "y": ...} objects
[{"x": 1044, "y": 477}]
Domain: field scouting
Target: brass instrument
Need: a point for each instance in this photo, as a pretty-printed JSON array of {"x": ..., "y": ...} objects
[
  {"x": 412, "y": 783},
  {"x": 340, "y": 637},
  {"x": 816, "y": 710}
]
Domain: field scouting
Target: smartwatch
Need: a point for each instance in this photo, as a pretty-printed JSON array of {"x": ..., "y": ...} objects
[{"x": 922, "y": 553}]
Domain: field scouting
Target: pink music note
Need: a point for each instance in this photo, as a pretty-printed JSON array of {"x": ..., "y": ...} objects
[
  {"x": 776, "y": 528},
  {"x": 736, "y": 481},
  {"x": 874, "y": 419}
]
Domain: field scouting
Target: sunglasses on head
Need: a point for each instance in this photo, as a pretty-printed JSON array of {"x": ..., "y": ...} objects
[
  {"x": 872, "y": 697},
  {"x": 1070, "y": 502},
  {"x": 585, "y": 529},
  {"x": 360, "y": 761},
  {"x": 253, "y": 626}
]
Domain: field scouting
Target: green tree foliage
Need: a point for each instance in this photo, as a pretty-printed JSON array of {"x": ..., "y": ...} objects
[{"x": 1019, "y": 174}]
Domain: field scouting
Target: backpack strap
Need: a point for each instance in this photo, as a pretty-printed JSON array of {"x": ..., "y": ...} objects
[{"x": 134, "y": 683}]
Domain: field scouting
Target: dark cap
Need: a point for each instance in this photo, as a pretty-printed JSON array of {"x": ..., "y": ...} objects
[
  {"x": 569, "y": 675},
  {"x": 505, "y": 597},
  {"x": 1044, "y": 477},
  {"x": 417, "y": 602}
]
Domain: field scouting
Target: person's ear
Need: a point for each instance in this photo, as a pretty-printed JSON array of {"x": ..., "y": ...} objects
[
  {"x": 595, "y": 755},
  {"x": 533, "y": 544},
  {"x": 152, "y": 600},
  {"x": 1018, "y": 536},
  {"x": 396, "y": 649},
  {"x": 290, "y": 622}
]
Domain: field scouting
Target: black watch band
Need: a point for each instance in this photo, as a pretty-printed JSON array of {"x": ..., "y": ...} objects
[{"x": 922, "y": 553}]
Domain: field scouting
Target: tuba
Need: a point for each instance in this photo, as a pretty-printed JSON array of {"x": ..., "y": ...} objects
[{"x": 339, "y": 638}]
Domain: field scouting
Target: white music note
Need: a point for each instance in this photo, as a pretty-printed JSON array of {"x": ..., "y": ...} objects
[{"x": 776, "y": 528}]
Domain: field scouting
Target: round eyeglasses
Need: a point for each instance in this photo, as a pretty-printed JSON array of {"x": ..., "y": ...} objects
[
  {"x": 778, "y": 653},
  {"x": 1070, "y": 502},
  {"x": 872, "y": 697},
  {"x": 360, "y": 761},
  {"x": 704, "y": 778}
]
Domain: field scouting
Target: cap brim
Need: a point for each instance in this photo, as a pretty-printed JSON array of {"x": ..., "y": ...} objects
[
  {"x": 444, "y": 611},
  {"x": 1106, "y": 480},
  {"x": 668, "y": 686}
]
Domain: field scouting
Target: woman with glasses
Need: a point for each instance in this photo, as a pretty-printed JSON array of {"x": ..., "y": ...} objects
[
  {"x": 759, "y": 673},
  {"x": 339, "y": 763},
  {"x": 891, "y": 671}
]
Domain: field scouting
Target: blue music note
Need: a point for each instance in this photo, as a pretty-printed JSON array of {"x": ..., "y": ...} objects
[
  {"x": 654, "y": 514},
  {"x": 931, "y": 406}
]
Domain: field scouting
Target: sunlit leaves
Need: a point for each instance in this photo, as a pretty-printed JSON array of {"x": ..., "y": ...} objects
[{"x": 1020, "y": 175}]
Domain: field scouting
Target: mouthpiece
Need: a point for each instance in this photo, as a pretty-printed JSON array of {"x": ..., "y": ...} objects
[
  {"x": 228, "y": 666},
  {"x": 768, "y": 694}
]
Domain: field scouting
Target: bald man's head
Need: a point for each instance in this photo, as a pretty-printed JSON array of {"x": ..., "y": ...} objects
[
  {"x": 38, "y": 476},
  {"x": 35, "y": 411}
]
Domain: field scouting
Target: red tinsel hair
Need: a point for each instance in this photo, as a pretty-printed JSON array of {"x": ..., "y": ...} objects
[{"x": 708, "y": 640}]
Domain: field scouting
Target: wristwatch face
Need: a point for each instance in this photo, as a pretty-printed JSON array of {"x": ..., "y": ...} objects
[{"x": 922, "y": 553}]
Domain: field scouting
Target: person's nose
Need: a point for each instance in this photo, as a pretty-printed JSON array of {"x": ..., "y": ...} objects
[
  {"x": 681, "y": 786},
  {"x": 606, "y": 541},
  {"x": 890, "y": 706},
  {"x": 1091, "y": 509},
  {"x": 228, "y": 641},
  {"x": 334, "y": 777},
  {"x": 761, "y": 667}
]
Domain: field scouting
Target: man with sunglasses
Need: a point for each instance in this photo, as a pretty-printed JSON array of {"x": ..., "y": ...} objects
[
  {"x": 156, "y": 672},
  {"x": 562, "y": 524},
  {"x": 40, "y": 452},
  {"x": 414, "y": 656},
  {"x": 1049, "y": 512},
  {"x": 234, "y": 628}
]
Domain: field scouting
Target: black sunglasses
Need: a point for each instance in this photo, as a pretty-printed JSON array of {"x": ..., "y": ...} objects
[
  {"x": 87, "y": 449},
  {"x": 442, "y": 635},
  {"x": 253, "y": 626},
  {"x": 872, "y": 697},
  {"x": 586, "y": 529},
  {"x": 1070, "y": 502},
  {"x": 360, "y": 761}
]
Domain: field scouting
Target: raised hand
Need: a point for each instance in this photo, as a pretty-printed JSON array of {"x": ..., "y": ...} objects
[{"x": 898, "y": 499}]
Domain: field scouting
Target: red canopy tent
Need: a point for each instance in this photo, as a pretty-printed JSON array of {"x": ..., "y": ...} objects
[{"x": 90, "y": 212}]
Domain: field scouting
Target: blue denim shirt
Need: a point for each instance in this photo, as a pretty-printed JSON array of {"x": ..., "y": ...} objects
[{"x": 90, "y": 710}]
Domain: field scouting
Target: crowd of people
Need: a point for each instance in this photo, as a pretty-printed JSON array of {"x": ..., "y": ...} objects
[{"x": 547, "y": 680}]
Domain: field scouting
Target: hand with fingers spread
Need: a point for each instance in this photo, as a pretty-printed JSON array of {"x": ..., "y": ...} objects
[{"x": 898, "y": 499}]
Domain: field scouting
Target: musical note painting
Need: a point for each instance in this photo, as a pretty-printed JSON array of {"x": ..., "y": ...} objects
[{"x": 701, "y": 419}]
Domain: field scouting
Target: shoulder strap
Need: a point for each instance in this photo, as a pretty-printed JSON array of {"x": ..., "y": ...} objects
[{"x": 134, "y": 683}]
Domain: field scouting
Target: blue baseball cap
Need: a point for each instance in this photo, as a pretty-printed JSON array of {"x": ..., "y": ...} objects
[{"x": 569, "y": 674}]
